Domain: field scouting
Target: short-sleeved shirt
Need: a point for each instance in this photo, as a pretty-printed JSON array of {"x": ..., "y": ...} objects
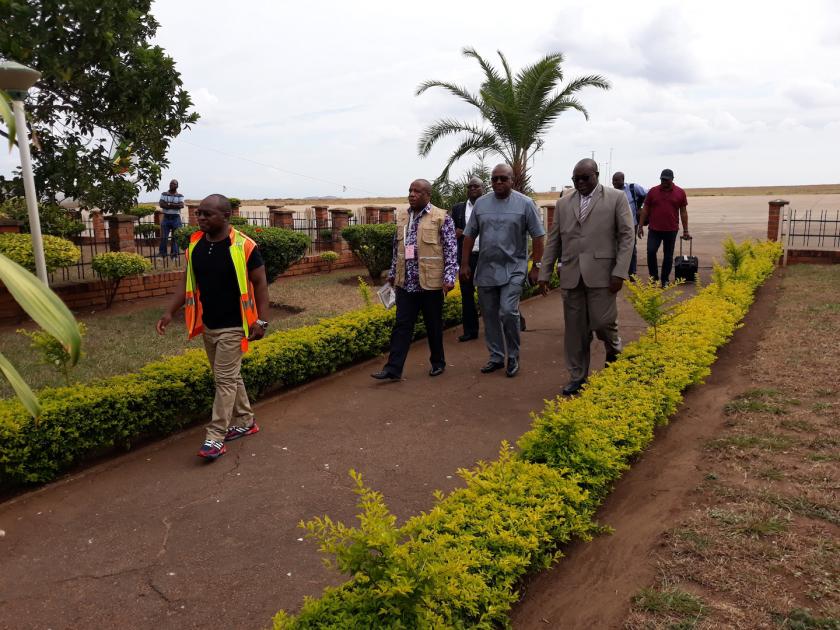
[
  {"x": 170, "y": 198},
  {"x": 217, "y": 285},
  {"x": 664, "y": 208},
  {"x": 629, "y": 189},
  {"x": 504, "y": 226}
]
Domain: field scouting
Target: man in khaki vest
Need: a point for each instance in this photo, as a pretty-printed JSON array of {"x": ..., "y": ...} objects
[{"x": 423, "y": 269}]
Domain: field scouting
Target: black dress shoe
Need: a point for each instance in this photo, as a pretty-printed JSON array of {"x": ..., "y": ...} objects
[
  {"x": 512, "y": 367},
  {"x": 491, "y": 366},
  {"x": 468, "y": 337},
  {"x": 384, "y": 375},
  {"x": 522, "y": 325},
  {"x": 573, "y": 387},
  {"x": 611, "y": 357},
  {"x": 436, "y": 371}
]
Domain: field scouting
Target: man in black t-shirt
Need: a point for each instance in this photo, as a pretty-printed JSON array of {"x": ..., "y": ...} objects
[{"x": 225, "y": 277}]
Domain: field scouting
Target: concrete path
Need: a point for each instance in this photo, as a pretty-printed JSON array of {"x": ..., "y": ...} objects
[{"x": 157, "y": 538}]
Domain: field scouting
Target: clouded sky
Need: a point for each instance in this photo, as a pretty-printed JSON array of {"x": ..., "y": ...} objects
[{"x": 303, "y": 98}]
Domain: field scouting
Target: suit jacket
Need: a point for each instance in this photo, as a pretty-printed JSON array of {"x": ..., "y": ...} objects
[
  {"x": 459, "y": 212},
  {"x": 596, "y": 249}
]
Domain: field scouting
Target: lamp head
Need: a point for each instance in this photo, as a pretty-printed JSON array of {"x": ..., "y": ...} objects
[{"x": 16, "y": 79}]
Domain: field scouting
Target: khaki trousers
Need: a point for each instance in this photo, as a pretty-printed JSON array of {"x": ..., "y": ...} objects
[
  {"x": 231, "y": 406},
  {"x": 587, "y": 310}
]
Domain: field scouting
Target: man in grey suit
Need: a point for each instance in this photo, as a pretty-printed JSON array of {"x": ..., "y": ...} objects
[
  {"x": 593, "y": 237},
  {"x": 502, "y": 220}
]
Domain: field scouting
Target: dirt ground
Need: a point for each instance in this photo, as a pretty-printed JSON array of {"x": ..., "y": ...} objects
[{"x": 730, "y": 518}]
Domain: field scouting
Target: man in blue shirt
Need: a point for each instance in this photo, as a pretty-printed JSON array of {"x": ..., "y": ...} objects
[
  {"x": 171, "y": 203},
  {"x": 635, "y": 197}
]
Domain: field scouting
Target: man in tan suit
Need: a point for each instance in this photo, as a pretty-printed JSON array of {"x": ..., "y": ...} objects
[{"x": 593, "y": 237}]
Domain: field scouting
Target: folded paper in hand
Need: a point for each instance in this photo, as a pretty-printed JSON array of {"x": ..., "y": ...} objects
[{"x": 386, "y": 295}]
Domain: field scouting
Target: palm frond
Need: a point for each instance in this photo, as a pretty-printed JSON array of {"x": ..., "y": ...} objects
[
  {"x": 456, "y": 90},
  {"x": 441, "y": 129},
  {"x": 479, "y": 144},
  {"x": 490, "y": 73}
]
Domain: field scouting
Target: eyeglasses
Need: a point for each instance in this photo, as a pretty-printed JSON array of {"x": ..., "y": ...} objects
[
  {"x": 581, "y": 178},
  {"x": 500, "y": 178},
  {"x": 474, "y": 186}
]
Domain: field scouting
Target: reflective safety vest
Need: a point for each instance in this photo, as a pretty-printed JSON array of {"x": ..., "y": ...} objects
[{"x": 241, "y": 247}]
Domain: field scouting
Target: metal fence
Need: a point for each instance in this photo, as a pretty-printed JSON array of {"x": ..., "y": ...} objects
[
  {"x": 809, "y": 230},
  {"x": 147, "y": 244}
]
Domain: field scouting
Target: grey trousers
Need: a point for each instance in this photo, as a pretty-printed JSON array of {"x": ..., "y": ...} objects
[
  {"x": 231, "y": 406},
  {"x": 587, "y": 310},
  {"x": 500, "y": 312}
]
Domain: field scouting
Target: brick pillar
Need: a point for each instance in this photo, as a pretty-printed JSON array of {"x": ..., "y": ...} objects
[
  {"x": 371, "y": 214},
  {"x": 98, "y": 223},
  {"x": 234, "y": 210},
  {"x": 192, "y": 218},
  {"x": 549, "y": 215},
  {"x": 387, "y": 214},
  {"x": 273, "y": 216},
  {"x": 10, "y": 226},
  {"x": 121, "y": 233},
  {"x": 773, "y": 218},
  {"x": 158, "y": 216},
  {"x": 283, "y": 219},
  {"x": 321, "y": 216},
  {"x": 340, "y": 220}
]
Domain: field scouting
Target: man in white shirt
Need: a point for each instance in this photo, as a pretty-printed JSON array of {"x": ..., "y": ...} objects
[{"x": 461, "y": 213}]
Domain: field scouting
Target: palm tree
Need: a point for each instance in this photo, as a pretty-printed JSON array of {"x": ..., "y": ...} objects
[{"x": 517, "y": 111}]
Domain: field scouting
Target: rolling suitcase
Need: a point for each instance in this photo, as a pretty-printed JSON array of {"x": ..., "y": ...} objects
[{"x": 685, "y": 267}]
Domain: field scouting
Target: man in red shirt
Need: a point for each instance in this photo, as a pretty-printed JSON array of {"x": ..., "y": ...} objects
[{"x": 665, "y": 205}]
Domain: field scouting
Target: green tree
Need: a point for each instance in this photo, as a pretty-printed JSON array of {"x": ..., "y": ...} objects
[
  {"x": 446, "y": 192},
  {"x": 516, "y": 110},
  {"x": 108, "y": 103}
]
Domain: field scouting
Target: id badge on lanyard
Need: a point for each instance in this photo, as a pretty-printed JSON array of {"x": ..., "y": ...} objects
[{"x": 409, "y": 249}]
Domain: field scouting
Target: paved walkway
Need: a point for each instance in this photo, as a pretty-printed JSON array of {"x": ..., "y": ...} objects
[{"x": 157, "y": 538}]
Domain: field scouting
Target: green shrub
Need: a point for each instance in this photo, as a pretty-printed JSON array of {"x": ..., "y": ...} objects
[
  {"x": 54, "y": 220},
  {"x": 235, "y": 202},
  {"x": 52, "y": 351},
  {"x": 280, "y": 248},
  {"x": 238, "y": 222},
  {"x": 325, "y": 235},
  {"x": 330, "y": 258},
  {"x": 373, "y": 244},
  {"x": 149, "y": 230},
  {"x": 141, "y": 210},
  {"x": 654, "y": 303},
  {"x": 112, "y": 267},
  {"x": 459, "y": 565},
  {"x": 58, "y": 252}
]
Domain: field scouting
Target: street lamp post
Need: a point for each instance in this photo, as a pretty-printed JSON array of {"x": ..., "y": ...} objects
[{"x": 16, "y": 79}]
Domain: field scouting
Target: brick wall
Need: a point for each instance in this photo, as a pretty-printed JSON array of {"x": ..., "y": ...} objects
[
  {"x": 813, "y": 257},
  {"x": 85, "y": 295}
]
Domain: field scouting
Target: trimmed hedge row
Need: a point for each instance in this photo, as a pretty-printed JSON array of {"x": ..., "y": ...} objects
[
  {"x": 458, "y": 565},
  {"x": 164, "y": 396}
]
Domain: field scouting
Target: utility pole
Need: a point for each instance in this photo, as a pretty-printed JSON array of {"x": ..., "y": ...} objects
[{"x": 609, "y": 167}]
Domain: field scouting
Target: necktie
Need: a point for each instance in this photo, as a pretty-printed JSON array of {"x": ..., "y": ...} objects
[{"x": 584, "y": 207}]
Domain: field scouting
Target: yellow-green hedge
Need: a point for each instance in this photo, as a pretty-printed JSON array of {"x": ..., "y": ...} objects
[{"x": 458, "y": 565}]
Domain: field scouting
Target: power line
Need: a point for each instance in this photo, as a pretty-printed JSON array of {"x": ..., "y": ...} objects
[{"x": 344, "y": 187}]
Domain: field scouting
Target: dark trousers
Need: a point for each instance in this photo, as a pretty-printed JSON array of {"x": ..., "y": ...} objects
[
  {"x": 168, "y": 224},
  {"x": 667, "y": 240},
  {"x": 632, "y": 270},
  {"x": 469, "y": 310},
  {"x": 409, "y": 306}
]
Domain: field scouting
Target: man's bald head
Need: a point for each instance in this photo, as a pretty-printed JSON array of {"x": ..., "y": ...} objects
[
  {"x": 618, "y": 180},
  {"x": 502, "y": 180},
  {"x": 475, "y": 188},
  {"x": 216, "y": 202},
  {"x": 585, "y": 176},
  {"x": 419, "y": 194},
  {"x": 425, "y": 184}
]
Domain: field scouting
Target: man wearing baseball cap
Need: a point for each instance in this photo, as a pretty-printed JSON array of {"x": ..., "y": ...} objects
[{"x": 665, "y": 206}]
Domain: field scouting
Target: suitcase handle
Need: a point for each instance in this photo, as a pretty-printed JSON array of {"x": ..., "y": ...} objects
[{"x": 690, "y": 246}]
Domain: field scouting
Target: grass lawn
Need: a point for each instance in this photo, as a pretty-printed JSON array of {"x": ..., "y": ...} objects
[
  {"x": 761, "y": 546},
  {"x": 124, "y": 338}
]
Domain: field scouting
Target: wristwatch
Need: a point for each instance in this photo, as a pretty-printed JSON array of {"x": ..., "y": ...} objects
[{"x": 262, "y": 323}]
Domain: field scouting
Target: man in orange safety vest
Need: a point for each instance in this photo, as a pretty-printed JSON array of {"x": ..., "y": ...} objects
[{"x": 225, "y": 291}]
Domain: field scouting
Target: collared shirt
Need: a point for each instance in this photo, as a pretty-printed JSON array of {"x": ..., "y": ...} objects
[
  {"x": 169, "y": 198},
  {"x": 467, "y": 214},
  {"x": 504, "y": 226},
  {"x": 640, "y": 192},
  {"x": 412, "y": 265},
  {"x": 664, "y": 208}
]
